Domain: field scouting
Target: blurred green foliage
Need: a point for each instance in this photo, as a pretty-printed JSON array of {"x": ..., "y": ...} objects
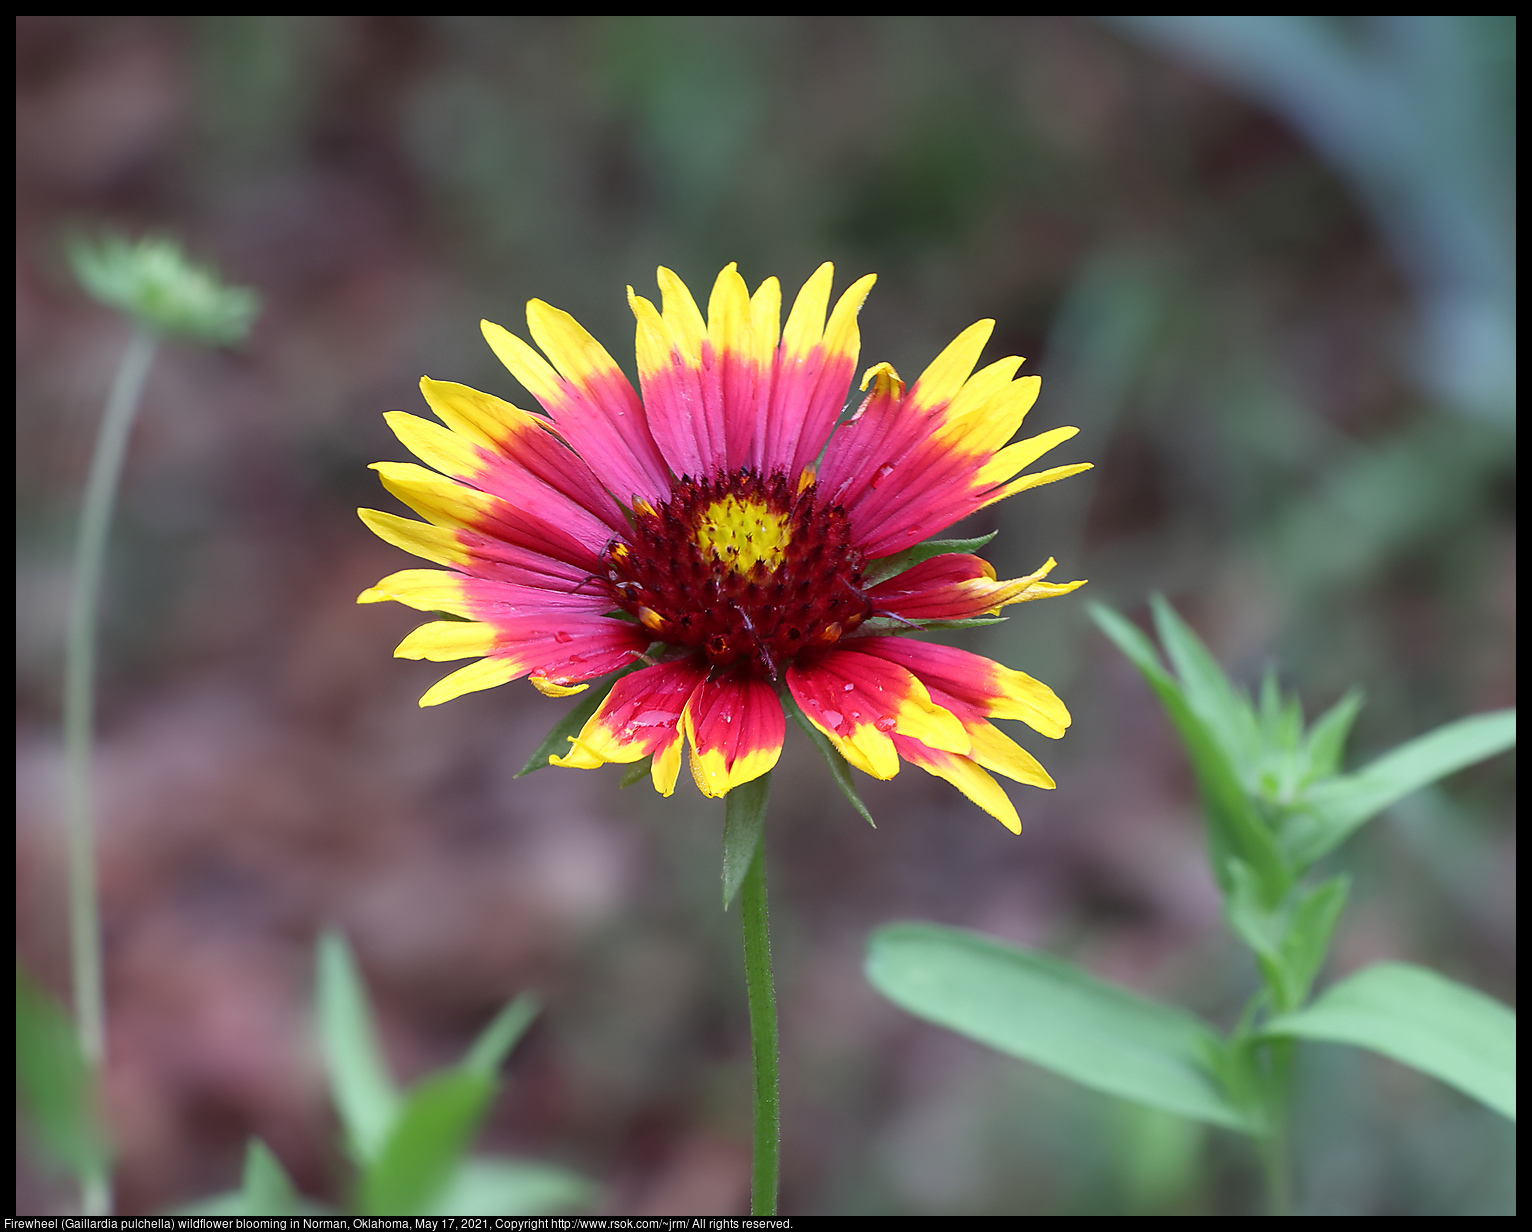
[
  {"x": 408, "y": 1148},
  {"x": 54, "y": 1090}
]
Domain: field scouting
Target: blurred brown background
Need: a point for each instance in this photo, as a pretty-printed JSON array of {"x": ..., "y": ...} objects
[{"x": 1277, "y": 307}]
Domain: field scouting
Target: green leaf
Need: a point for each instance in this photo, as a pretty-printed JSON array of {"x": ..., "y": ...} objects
[
  {"x": 365, "y": 1095},
  {"x": 744, "y": 816},
  {"x": 1131, "y": 641},
  {"x": 881, "y": 623},
  {"x": 637, "y": 772},
  {"x": 1311, "y": 923},
  {"x": 266, "y": 1189},
  {"x": 1225, "y": 712},
  {"x": 1420, "y": 1019},
  {"x": 1053, "y": 1014},
  {"x": 1251, "y": 919},
  {"x": 1290, "y": 940},
  {"x": 1326, "y": 742},
  {"x": 1234, "y": 828},
  {"x": 503, "y": 1033},
  {"x": 420, "y": 1155},
  {"x": 892, "y": 566},
  {"x": 1271, "y": 708},
  {"x": 512, "y": 1187},
  {"x": 1333, "y": 810},
  {"x": 53, "y": 1084},
  {"x": 840, "y": 771}
]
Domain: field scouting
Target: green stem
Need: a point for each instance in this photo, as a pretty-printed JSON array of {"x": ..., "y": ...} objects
[
  {"x": 1274, "y": 1156},
  {"x": 79, "y": 713},
  {"x": 762, "y": 995}
]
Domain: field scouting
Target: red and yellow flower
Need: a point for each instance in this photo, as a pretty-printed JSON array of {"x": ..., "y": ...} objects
[{"x": 732, "y": 533}]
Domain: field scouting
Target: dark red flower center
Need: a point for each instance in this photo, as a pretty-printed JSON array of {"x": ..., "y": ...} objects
[{"x": 745, "y": 569}]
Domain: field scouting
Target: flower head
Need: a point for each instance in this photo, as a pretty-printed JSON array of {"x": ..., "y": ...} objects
[
  {"x": 154, "y": 282},
  {"x": 731, "y": 534}
]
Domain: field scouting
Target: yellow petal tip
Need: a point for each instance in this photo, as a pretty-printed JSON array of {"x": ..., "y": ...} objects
[{"x": 550, "y": 689}]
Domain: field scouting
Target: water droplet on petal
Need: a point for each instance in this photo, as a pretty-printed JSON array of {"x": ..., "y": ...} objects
[
  {"x": 883, "y": 473},
  {"x": 847, "y": 687},
  {"x": 562, "y": 637},
  {"x": 887, "y": 723}
]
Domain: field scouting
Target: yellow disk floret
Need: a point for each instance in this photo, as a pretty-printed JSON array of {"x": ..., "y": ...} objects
[{"x": 743, "y": 533}]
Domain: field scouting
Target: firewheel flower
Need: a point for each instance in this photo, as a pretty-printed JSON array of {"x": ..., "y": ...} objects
[{"x": 728, "y": 539}]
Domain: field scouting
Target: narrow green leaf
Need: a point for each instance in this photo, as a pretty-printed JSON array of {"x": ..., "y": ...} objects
[
  {"x": 266, "y": 1187},
  {"x": 1291, "y": 729},
  {"x": 1251, "y": 919},
  {"x": 53, "y": 1083},
  {"x": 1053, "y": 1014},
  {"x": 1289, "y": 940},
  {"x": 418, "y": 1158},
  {"x": 637, "y": 772},
  {"x": 365, "y": 1095},
  {"x": 1420, "y": 1019},
  {"x": 1270, "y": 700},
  {"x": 1334, "y": 810},
  {"x": 1311, "y": 923},
  {"x": 503, "y": 1034},
  {"x": 880, "y": 623},
  {"x": 840, "y": 771},
  {"x": 1131, "y": 640},
  {"x": 744, "y": 816},
  {"x": 265, "y": 1190},
  {"x": 1326, "y": 743},
  {"x": 1226, "y": 713},
  {"x": 892, "y": 566},
  {"x": 513, "y": 1187},
  {"x": 1234, "y": 828}
]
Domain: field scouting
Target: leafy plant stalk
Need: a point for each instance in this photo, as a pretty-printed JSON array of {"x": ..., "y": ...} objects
[
  {"x": 79, "y": 713},
  {"x": 1276, "y": 801}
]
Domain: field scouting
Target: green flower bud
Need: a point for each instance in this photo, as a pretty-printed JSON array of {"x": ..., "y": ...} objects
[{"x": 159, "y": 287}]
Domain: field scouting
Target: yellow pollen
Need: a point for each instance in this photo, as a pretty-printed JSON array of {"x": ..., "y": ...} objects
[{"x": 743, "y": 534}]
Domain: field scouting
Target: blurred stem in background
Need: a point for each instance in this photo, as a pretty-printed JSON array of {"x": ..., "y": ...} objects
[
  {"x": 79, "y": 711},
  {"x": 162, "y": 294}
]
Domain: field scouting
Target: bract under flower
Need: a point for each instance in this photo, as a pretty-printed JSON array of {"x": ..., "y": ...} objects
[{"x": 724, "y": 530}]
